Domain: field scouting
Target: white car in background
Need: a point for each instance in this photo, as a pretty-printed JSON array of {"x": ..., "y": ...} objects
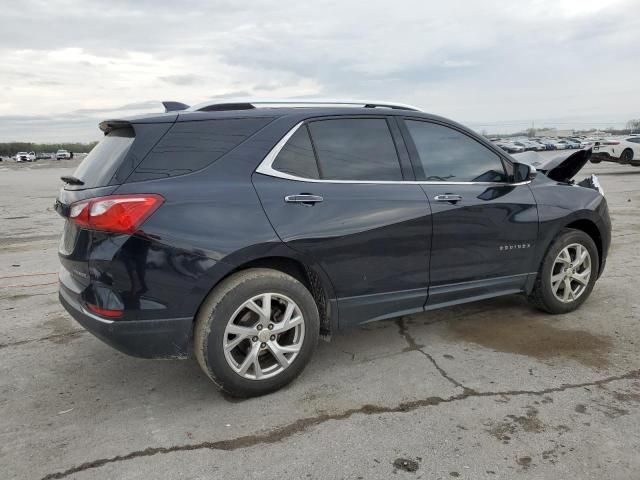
[
  {"x": 624, "y": 150},
  {"x": 557, "y": 144},
  {"x": 25, "y": 157},
  {"x": 581, "y": 141},
  {"x": 63, "y": 155}
]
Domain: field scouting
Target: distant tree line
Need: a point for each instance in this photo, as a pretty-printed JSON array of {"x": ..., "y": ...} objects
[
  {"x": 11, "y": 148},
  {"x": 634, "y": 125}
]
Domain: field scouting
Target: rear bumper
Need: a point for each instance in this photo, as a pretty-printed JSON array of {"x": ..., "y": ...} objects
[{"x": 163, "y": 338}]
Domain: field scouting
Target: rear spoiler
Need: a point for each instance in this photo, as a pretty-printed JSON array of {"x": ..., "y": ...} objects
[
  {"x": 110, "y": 125},
  {"x": 170, "y": 106}
]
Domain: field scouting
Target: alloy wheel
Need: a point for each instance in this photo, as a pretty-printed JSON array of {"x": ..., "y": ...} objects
[
  {"x": 626, "y": 156},
  {"x": 263, "y": 336},
  {"x": 571, "y": 272}
]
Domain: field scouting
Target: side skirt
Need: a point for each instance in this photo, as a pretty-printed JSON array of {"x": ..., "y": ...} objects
[
  {"x": 456, "y": 293},
  {"x": 381, "y": 306}
]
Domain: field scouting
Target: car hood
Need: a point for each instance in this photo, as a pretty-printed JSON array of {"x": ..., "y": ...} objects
[{"x": 561, "y": 167}]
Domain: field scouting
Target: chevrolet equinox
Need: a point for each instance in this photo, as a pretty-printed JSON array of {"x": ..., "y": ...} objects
[{"x": 239, "y": 233}]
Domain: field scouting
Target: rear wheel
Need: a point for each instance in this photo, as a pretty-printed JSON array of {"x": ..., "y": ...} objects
[
  {"x": 627, "y": 156},
  {"x": 256, "y": 332},
  {"x": 568, "y": 273}
]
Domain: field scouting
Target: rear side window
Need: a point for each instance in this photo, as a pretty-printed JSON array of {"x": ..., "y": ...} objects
[
  {"x": 449, "y": 155},
  {"x": 355, "y": 149},
  {"x": 99, "y": 166},
  {"x": 297, "y": 157},
  {"x": 191, "y": 146}
]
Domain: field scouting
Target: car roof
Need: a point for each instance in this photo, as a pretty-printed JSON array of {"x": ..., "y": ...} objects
[{"x": 297, "y": 113}]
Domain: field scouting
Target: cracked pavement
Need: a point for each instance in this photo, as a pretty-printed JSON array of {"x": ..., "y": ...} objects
[{"x": 493, "y": 389}]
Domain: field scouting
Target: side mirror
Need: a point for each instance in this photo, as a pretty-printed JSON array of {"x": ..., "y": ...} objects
[{"x": 523, "y": 172}]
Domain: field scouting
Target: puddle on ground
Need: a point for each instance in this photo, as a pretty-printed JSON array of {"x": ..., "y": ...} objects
[{"x": 534, "y": 337}]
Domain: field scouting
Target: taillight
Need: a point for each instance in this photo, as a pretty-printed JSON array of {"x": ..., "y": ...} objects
[
  {"x": 115, "y": 213},
  {"x": 610, "y": 142},
  {"x": 104, "y": 311}
]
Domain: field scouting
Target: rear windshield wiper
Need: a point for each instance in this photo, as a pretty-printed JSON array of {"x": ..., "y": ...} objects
[{"x": 71, "y": 180}]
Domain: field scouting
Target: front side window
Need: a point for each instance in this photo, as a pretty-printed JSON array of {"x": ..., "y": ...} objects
[
  {"x": 355, "y": 149},
  {"x": 449, "y": 155}
]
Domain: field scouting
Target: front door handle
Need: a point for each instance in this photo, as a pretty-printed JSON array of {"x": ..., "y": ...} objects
[
  {"x": 448, "y": 198},
  {"x": 303, "y": 198}
]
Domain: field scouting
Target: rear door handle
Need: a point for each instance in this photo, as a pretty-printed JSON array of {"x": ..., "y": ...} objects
[
  {"x": 448, "y": 198},
  {"x": 303, "y": 198}
]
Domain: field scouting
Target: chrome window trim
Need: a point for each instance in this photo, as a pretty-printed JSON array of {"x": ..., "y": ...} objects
[{"x": 266, "y": 168}]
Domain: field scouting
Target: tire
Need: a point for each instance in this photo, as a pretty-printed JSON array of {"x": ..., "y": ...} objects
[
  {"x": 626, "y": 156},
  {"x": 225, "y": 308},
  {"x": 543, "y": 296},
  {"x": 595, "y": 160}
]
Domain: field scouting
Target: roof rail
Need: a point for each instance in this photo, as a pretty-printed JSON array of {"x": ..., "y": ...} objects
[{"x": 249, "y": 104}]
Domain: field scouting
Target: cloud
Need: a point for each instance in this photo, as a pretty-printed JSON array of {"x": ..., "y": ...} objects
[
  {"x": 186, "y": 79},
  {"x": 477, "y": 62}
]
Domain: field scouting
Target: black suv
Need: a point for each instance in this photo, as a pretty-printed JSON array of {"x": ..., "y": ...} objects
[{"x": 239, "y": 233}]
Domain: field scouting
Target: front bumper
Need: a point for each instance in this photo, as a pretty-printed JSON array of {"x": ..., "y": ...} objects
[{"x": 163, "y": 338}]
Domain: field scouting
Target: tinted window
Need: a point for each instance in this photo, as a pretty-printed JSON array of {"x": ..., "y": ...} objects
[
  {"x": 634, "y": 139},
  {"x": 98, "y": 167},
  {"x": 297, "y": 157},
  {"x": 448, "y": 155},
  {"x": 355, "y": 149},
  {"x": 190, "y": 146}
]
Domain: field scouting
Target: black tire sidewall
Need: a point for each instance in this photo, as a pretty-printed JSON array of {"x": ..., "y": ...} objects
[
  {"x": 568, "y": 237},
  {"x": 256, "y": 283}
]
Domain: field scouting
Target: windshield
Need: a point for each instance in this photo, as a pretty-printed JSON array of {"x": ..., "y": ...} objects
[{"x": 97, "y": 169}]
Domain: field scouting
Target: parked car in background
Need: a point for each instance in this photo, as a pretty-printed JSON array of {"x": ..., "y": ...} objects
[
  {"x": 540, "y": 147},
  {"x": 510, "y": 147},
  {"x": 569, "y": 143},
  {"x": 25, "y": 157},
  {"x": 548, "y": 144},
  {"x": 580, "y": 141},
  {"x": 43, "y": 156},
  {"x": 63, "y": 155},
  {"x": 241, "y": 232},
  {"x": 529, "y": 146},
  {"x": 620, "y": 150},
  {"x": 558, "y": 145}
]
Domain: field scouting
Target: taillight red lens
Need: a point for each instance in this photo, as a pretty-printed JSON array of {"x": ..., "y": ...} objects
[
  {"x": 611, "y": 142},
  {"x": 115, "y": 213},
  {"x": 104, "y": 312}
]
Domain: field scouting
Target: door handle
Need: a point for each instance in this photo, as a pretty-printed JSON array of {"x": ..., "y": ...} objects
[
  {"x": 448, "y": 198},
  {"x": 303, "y": 198}
]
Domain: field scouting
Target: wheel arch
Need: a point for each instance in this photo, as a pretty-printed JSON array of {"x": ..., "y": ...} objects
[
  {"x": 590, "y": 228},
  {"x": 312, "y": 277},
  {"x": 633, "y": 153}
]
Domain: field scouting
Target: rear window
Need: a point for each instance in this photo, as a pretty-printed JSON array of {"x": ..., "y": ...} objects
[
  {"x": 99, "y": 166},
  {"x": 191, "y": 146}
]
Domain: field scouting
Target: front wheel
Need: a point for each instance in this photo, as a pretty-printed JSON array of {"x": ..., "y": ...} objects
[
  {"x": 568, "y": 273},
  {"x": 256, "y": 332}
]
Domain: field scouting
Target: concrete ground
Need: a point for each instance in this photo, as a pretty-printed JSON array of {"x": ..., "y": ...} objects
[{"x": 488, "y": 390}]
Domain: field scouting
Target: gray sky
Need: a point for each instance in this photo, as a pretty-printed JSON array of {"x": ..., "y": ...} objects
[{"x": 495, "y": 65}]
